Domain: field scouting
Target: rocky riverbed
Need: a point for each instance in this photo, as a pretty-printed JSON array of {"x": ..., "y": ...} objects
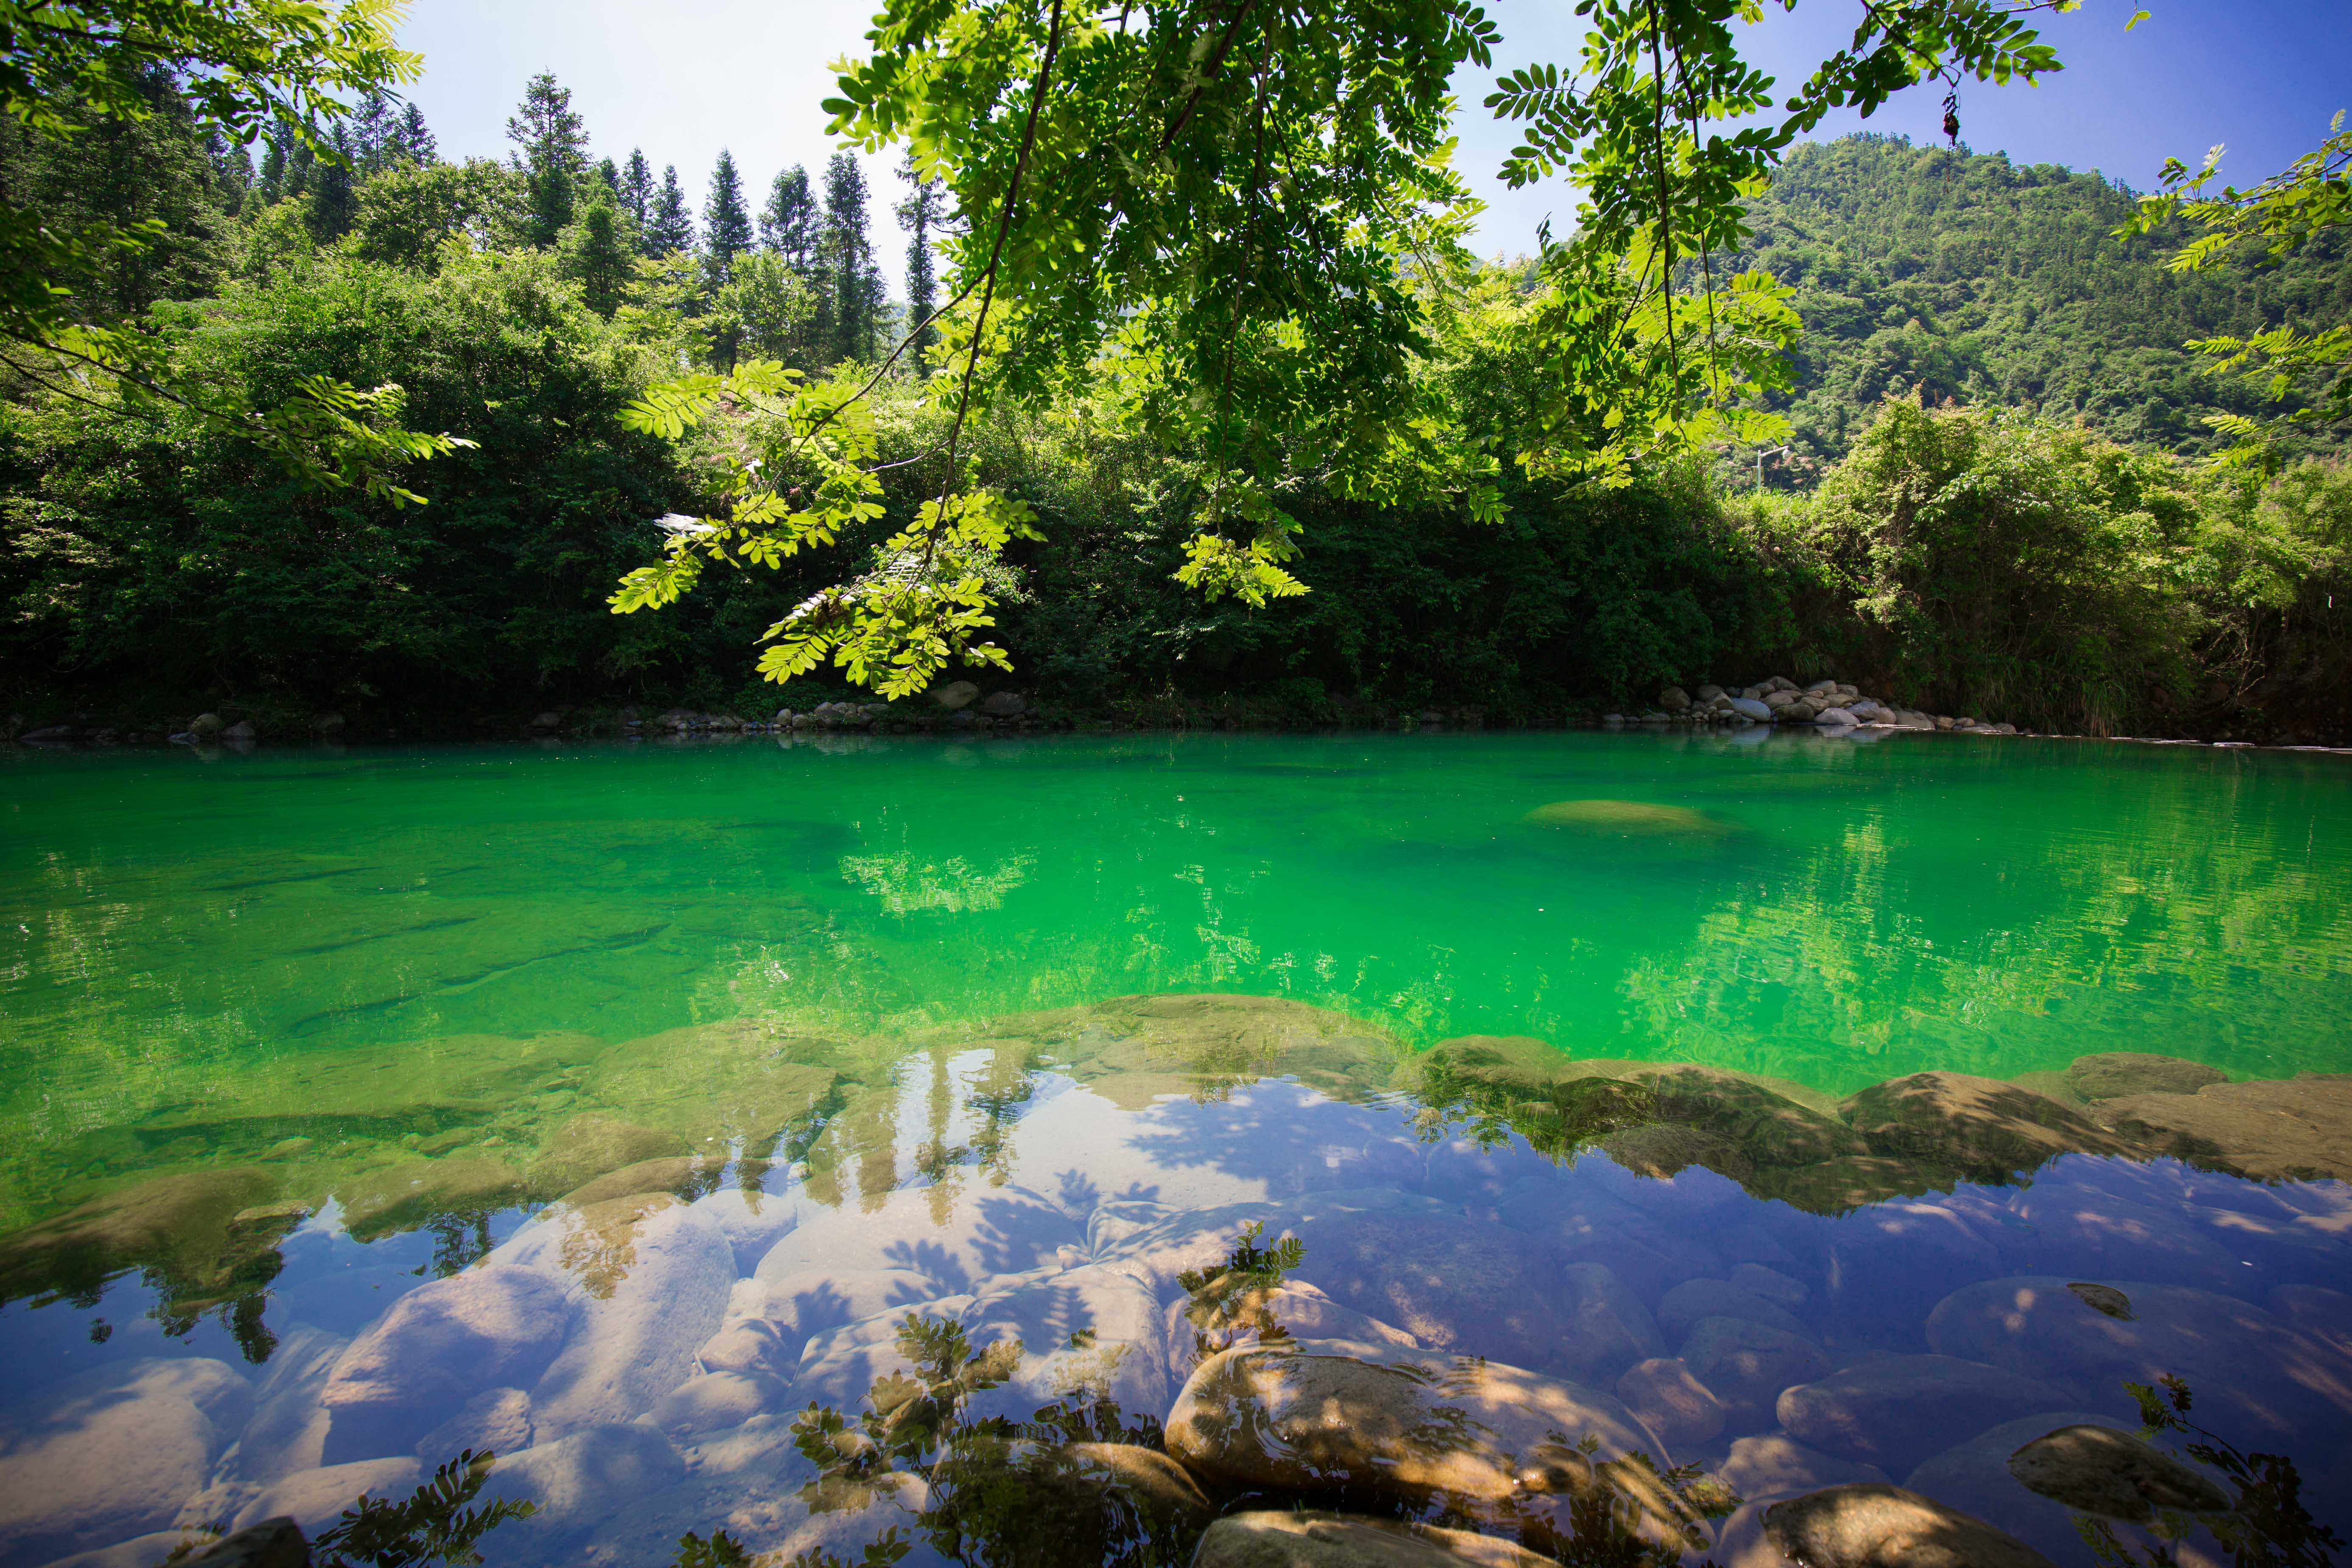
[{"x": 1210, "y": 1277}]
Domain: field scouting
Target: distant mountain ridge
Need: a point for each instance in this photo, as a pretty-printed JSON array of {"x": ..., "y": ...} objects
[{"x": 1973, "y": 278}]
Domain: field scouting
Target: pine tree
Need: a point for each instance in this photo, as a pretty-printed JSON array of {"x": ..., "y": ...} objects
[
  {"x": 923, "y": 211},
  {"x": 552, "y": 150},
  {"x": 637, "y": 189},
  {"x": 270, "y": 183},
  {"x": 851, "y": 295},
  {"x": 374, "y": 126},
  {"x": 415, "y": 140},
  {"x": 333, "y": 199},
  {"x": 670, "y": 225},
  {"x": 596, "y": 249},
  {"x": 789, "y": 224},
  {"x": 608, "y": 175},
  {"x": 726, "y": 224}
]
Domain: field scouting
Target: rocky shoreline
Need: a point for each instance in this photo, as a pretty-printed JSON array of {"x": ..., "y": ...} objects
[{"x": 1829, "y": 707}]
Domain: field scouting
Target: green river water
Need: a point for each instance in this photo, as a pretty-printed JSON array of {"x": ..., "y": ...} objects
[{"x": 614, "y": 1106}]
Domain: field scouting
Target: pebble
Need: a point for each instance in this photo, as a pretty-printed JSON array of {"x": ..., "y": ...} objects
[
  {"x": 1288, "y": 1539},
  {"x": 1871, "y": 1526}
]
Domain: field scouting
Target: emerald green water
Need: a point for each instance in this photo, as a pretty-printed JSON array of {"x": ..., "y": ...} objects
[{"x": 1828, "y": 912}]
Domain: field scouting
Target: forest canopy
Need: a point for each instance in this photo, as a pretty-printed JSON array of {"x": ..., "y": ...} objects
[{"x": 1225, "y": 420}]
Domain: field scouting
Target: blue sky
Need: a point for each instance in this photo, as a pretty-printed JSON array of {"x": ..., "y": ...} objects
[{"x": 683, "y": 78}]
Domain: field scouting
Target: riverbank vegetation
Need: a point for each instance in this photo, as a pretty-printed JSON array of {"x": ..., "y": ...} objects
[{"x": 1974, "y": 478}]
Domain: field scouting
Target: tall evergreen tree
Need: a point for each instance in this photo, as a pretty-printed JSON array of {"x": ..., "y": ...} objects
[
  {"x": 552, "y": 150},
  {"x": 790, "y": 223},
  {"x": 374, "y": 128},
  {"x": 922, "y": 211},
  {"x": 726, "y": 222},
  {"x": 596, "y": 249},
  {"x": 333, "y": 198},
  {"x": 415, "y": 140},
  {"x": 851, "y": 293},
  {"x": 608, "y": 175},
  {"x": 637, "y": 189},
  {"x": 670, "y": 225}
]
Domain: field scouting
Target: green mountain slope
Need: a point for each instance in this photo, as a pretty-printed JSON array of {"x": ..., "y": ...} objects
[{"x": 1972, "y": 278}]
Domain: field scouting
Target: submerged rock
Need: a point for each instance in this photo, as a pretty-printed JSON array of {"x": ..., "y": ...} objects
[
  {"x": 183, "y": 1227},
  {"x": 1980, "y": 1126},
  {"x": 1288, "y": 1539},
  {"x": 489, "y": 1327},
  {"x": 1747, "y": 1364},
  {"x": 2298, "y": 1129},
  {"x": 1871, "y": 1526},
  {"x": 1896, "y": 1411},
  {"x": 646, "y": 1280},
  {"x": 2255, "y": 1377},
  {"x": 112, "y": 1452},
  {"x": 1629, "y": 819},
  {"x": 2101, "y": 1470},
  {"x": 1326, "y": 1414},
  {"x": 2104, "y": 1075},
  {"x": 1662, "y": 1393},
  {"x": 1131, "y": 1048},
  {"x": 1773, "y": 1464},
  {"x": 314, "y": 1499}
]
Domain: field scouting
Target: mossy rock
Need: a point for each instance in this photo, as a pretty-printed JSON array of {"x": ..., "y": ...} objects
[
  {"x": 1840, "y": 1186},
  {"x": 417, "y": 1192},
  {"x": 1663, "y": 1151},
  {"x": 1768, "y": 1128},
  {"x": 1206, "y": 1042},
  {"x": 183, "y": 1227},
  {"x": 2105, "y": 1075},
  {"x": 1986, "y": 1128}
]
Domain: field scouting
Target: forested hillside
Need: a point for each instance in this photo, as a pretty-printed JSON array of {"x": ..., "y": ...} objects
[
  {"x": 153, "y": 565},
  {"x": 1968, "y": 277}
]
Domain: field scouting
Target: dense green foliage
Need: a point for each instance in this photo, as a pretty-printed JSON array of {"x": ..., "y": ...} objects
[
  {"x": 1942, "y": 274},
  {"x": 2015, "y": 567}
]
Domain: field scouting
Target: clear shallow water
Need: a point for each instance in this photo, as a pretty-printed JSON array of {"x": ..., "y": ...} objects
[{"x": 389, "y": 1004}]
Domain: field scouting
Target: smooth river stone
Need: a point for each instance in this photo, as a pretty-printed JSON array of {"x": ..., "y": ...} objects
[
  {"x": 2297, "y": 1129},
  {"x": 1672, "y": 1403},
  {"x": 1888, "y": 1526},
  {"x": 1692, "y": 1300},
  {"x": 1297, "y": 1539},
  {"x": 1975, "y": 1477},
  {"x": 316, "y": 1498},
  {"x": 647, "y": 1281},
  {"x": 1746, "y": 1365},
  {"x": 1574, "y": 1221},
  {"x": 1003, "y": 1230},
  {"x": 1773, "y": 1464},
  {"x": 2258, "y": 1381},
  {"x": 495, "y": 1421},
  {"x": 2101, "y": 1470},
  {"x": 1895, "y": 1411},
  {"x": 1297, "y": 1308},
  {"x": 1327, "y": 1413},
  {"x": 112, "y": 1453},
  {"x": 718, "y": 1400},
  {"x": 495, "y": 1325}
]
